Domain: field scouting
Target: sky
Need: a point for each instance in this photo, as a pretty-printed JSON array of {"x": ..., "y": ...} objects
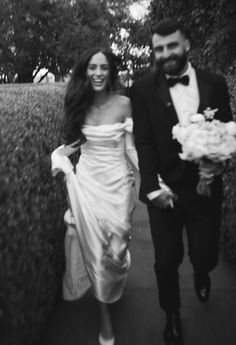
[{"x": 139, "y": 10}]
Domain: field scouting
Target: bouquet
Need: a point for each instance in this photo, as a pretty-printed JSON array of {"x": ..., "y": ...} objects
[{"x": 207, "y": 142}]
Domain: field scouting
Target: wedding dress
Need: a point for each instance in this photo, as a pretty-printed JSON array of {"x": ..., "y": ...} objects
[{"x": 102, "y": 198}]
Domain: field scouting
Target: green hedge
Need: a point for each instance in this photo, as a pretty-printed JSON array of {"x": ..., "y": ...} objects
[{"x": 31, "y": 210}]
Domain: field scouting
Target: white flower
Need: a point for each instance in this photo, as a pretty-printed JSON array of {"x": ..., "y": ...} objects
[
  {"x": 197, "y": 118},
  {"x": 231, "y": 128},
  {"x": 206, "y": 139},
  {"x": 179, "y": 132},
  {"x": 202, "y": 139},
  {"x": 209, "y": 113}
]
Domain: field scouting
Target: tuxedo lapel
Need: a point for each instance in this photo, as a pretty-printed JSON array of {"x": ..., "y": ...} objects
[
  {"x": 162, "y": 97},
  {"x": 162, "y": 101},
  {"x": 204, "y": 91}
]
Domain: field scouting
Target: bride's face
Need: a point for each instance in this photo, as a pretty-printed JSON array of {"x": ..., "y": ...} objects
[{"x": 98, "y": 72}]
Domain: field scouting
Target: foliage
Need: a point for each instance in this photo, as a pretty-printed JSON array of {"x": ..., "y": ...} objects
[
  {"x": 49, "y": 34},
  {"x": 86, "y": 24},
  {"x": 131, "y": 36},
  {"x": 27, "y": 28},
  {"x": 44, "y": 33},
  {"x": 211, "y": 25},
  {"x": 228, "y": 234},
  {"x": 114, "y": 16},
  {"x": 31, "y": 213}
]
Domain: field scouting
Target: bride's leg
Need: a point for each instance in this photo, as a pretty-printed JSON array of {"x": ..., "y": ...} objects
[{"x": 106, "y": 330}]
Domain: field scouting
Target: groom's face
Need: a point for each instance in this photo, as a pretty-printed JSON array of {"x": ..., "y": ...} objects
[{"x": 171, "y": 52}]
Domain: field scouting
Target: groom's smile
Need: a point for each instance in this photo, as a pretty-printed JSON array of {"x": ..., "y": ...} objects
[{"x": 171, "y": 52}]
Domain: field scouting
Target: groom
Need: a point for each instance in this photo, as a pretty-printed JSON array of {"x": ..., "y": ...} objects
[{"x": 169, "y": 95}]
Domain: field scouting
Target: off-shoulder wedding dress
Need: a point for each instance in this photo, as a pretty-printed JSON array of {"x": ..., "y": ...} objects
[{"x": 102, "y": 198}]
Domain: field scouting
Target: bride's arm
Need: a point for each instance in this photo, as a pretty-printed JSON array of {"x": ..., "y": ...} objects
[
  {"x": 130, "y": 146},
  {"x": 60, "y": 161},
  {"x": 129, "y": 138}
]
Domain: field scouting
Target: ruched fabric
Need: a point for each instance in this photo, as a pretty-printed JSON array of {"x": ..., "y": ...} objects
[{"x": 102, "y": 199}]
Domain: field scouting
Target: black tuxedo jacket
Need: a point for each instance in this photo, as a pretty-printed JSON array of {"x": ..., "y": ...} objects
[{"x": 154, "y": 116}]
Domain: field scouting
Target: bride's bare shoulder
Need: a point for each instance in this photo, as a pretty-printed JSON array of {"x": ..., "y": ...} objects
[{"x": 123, "y": 102}]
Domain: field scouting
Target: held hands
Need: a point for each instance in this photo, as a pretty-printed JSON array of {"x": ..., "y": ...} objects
[{"x": 165, "y": 199}]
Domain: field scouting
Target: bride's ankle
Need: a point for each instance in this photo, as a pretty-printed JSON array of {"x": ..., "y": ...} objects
[
  {"x": 104, "y": 341},
  {"x": 106, "y": 330}
]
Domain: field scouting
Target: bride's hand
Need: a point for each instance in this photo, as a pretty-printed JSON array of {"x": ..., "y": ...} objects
[
  {"x": 55, "y": 171},
  {"x": 60, "y": 163},
  {"x": 165, "y": 199}
]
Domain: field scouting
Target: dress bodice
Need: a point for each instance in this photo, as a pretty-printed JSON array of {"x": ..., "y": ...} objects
[
  {"x": 106, "y": 139},
  {"x": 105, "y": 143}
]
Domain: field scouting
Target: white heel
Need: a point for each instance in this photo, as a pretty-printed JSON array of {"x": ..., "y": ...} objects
[{"x": 103, "y": 341}]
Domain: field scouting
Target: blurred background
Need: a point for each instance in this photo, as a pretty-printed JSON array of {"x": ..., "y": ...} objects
[{"x": 39, "y": 41}]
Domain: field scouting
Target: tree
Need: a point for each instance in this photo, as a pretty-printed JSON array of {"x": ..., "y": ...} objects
[
  {"x": 131, "y": 37},
  {"x": 84, "y": 25},
  {"x": 49, "y": 34},
  {"x": 44, "y": 33},
  {"x": 212, "y": 28},
  {"x": 24, "y": 37}
]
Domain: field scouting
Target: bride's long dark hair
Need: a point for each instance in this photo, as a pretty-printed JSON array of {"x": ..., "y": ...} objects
[{"x": 79, "y": 93}]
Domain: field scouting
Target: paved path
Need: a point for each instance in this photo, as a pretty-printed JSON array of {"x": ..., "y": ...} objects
[{"x": 138, "y": 320}]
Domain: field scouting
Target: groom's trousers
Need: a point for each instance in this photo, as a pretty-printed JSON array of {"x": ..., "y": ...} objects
[{"x": 201, "y": 218}]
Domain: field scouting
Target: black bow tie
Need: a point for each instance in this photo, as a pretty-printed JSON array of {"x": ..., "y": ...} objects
[{"x": 182, "y": 80}]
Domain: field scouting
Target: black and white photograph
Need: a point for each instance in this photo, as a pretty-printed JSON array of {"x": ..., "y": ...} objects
[{"x": 117, "y": 172}]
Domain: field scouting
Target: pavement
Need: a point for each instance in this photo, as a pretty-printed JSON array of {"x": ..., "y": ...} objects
[{"x": 137, "y": 317}]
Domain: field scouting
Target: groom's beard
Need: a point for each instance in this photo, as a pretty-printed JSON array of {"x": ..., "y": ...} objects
[{"x": 173, "y": 65}]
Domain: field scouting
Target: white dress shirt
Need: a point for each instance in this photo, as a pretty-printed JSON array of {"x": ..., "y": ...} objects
[
  {"x": 186, "y": 97},
  {"x": 186, "y": 101}
]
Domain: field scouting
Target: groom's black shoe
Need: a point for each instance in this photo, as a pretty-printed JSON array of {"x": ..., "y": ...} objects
[
  {"x": 202, "y": 283},
  {"x": 173, "y": 330}
]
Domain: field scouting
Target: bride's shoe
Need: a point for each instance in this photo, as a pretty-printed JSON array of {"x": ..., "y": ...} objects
[{"x": 103, "y": 341}]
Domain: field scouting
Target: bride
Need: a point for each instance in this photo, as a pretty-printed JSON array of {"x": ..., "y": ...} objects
[{"x": 101, "y": 189}]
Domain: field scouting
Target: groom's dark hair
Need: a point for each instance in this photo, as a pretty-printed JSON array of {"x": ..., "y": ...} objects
[{"x": 168, "y": 26}]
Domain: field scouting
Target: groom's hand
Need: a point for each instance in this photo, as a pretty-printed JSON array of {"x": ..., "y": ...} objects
[
  {"x": 210, "y": 169},
  {"x": 164, "y": 200}
]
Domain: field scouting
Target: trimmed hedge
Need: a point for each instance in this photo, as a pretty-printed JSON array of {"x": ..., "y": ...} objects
[
  {"x": 32, "y": 203},
  {"x": 228, "y": 234}
]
